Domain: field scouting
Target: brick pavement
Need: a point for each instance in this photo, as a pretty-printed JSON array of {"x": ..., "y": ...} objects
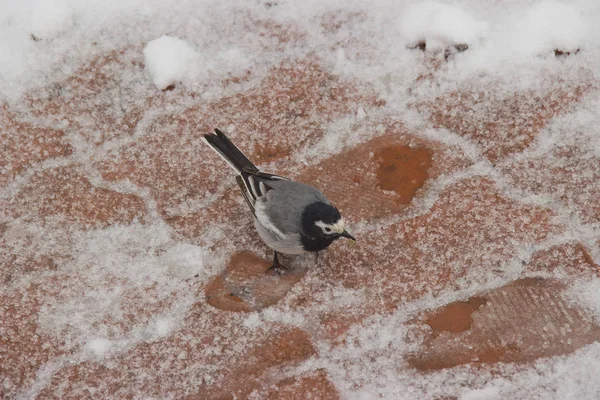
[{"x": 459, "y": 253}]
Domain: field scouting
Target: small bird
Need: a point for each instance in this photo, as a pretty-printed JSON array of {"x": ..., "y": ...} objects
[{"x": 290, "y": 217}]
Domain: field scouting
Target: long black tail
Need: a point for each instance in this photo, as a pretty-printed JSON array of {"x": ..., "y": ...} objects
[{"x": 230, "y": 153}]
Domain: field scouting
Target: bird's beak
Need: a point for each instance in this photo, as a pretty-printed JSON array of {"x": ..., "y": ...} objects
[{"x": 347, "y": 235}]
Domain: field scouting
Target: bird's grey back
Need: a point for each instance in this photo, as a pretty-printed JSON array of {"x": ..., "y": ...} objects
[{"x": 287, "y": 201}]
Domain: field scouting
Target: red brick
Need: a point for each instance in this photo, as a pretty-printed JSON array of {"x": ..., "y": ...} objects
[
  {"x": 93, "y": 98},
  {"x": 232, "y": 373},
  {"x": 520, "y": 322},
  {"x": 246, "y": 286},
  {"x": 314, "y": 386},
  {"x": 470, "y": 231},
  {"x": 471, "y": 227},
  {"x": 24, "y": 145},
  {"x": 571, "y": 259},
  {"x": 24, "y": 347},
  {"x": 381, "y": 177},
  {"x": 64, "y": 192},
  {"x": 501, "y": 124},
  {"x": 287, "y": 348},
  {"x": 567, "y": 173}
]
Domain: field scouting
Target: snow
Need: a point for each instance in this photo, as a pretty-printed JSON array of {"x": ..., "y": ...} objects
[
  {"x": 113, "y": 291},
  {"x": 99, "y": 346},
  {"x": 169, "y": 60},
  {"x": 549, "y": 26},
  {"x": 439, "y": 25},
  {"x": 234, "y": 58},
  {"x": 163, "y": 326},
  {"x": 112, "y": 257},
  {"x": 185, "y": 260},
  {"x": 50, "y": 18},
  {"x": 488, "y": 393},
  {"x": 586, "y": 294},
  {"x": 360, "y": 114},
  {"x": 253, "y": 321}
]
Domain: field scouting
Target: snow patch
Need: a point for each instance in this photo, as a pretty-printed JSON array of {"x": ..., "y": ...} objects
[
  {"x": 341, "y": 64},
  {"x": 169, "y": 60},
  {"x": 128, "y": 269},
  {"x": 184, "y": 260},
  {"x": 586, "y": 294},
  {"x": 163, "y": 326},
  {"x": 287, "y": 317},
  {"x": 253, "y": 321},
  {"x": 439, "y": 25},
  {"x": 98, "y": 346},
  {"x": 488, "y": 393},
  {"x": 51, "y": 18},
  {"x": 234, "y": 58},
  {"x": 548, "y": 26},
  {"x": 360, "y": 114}
]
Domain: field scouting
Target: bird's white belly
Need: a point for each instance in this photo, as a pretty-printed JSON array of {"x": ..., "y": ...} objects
[{"x": 283, "y": 243}]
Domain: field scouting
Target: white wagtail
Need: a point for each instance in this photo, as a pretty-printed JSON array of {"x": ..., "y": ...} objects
[{"x": 290, "y": 217}]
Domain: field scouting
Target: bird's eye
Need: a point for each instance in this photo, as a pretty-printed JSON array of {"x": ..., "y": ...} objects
[{"x": 327, "y": 230}]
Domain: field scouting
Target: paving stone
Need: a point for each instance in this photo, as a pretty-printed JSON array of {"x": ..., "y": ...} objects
[
  {"x": 568, "y": 173},
  {"x": 448, "y": 246},
  {"x": 287, "y": 348},
  {"x": 572, "y": 260},
  {"x": 245, "y": 284},
  {"x": 24, "y": 346},
  {"x": 66, "y": 193},
  {"x": 383, "y": 174},
  {"x": 188, "y": 357},
  {"x": 501, "y": 124},
  {"x": 314, "y": 386},
  {"x": 520, "y": 322},
  {"x": 25, "y": 144},
  {"x": 102, "y": 100},
  {"x": 431, "y": 251}
]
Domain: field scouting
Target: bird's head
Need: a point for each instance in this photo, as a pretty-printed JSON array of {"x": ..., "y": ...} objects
[{"x": 323, "y": 221}]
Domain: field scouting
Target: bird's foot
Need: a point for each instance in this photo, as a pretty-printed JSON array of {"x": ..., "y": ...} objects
[{"x": 277, "y": 267}]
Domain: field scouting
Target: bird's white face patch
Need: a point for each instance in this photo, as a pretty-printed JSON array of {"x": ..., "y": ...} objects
[{"x": 328, "y": 229}]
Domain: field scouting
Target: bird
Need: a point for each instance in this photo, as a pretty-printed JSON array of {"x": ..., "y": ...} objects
[{"x": 290, "y": 217}]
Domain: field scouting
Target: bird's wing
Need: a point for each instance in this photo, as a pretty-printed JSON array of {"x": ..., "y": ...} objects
[
  {"x": 283, "y": 205},
  {"x": 256, "y": 184},
  {"x": 249, "y": 201},
  {"x": 265, "y": 175}
]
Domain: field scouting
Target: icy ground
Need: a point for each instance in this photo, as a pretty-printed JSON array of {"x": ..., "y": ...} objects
[{"x": 460, "y": 140}]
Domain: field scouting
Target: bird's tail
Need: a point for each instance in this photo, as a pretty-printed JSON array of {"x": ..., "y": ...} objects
[{"x": 229, "y": 152}]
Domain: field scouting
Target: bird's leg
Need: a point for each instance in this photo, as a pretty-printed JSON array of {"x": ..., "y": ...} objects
[
  {"x": 317, "y": 259},
  {"x": 277, "y": 267}
]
